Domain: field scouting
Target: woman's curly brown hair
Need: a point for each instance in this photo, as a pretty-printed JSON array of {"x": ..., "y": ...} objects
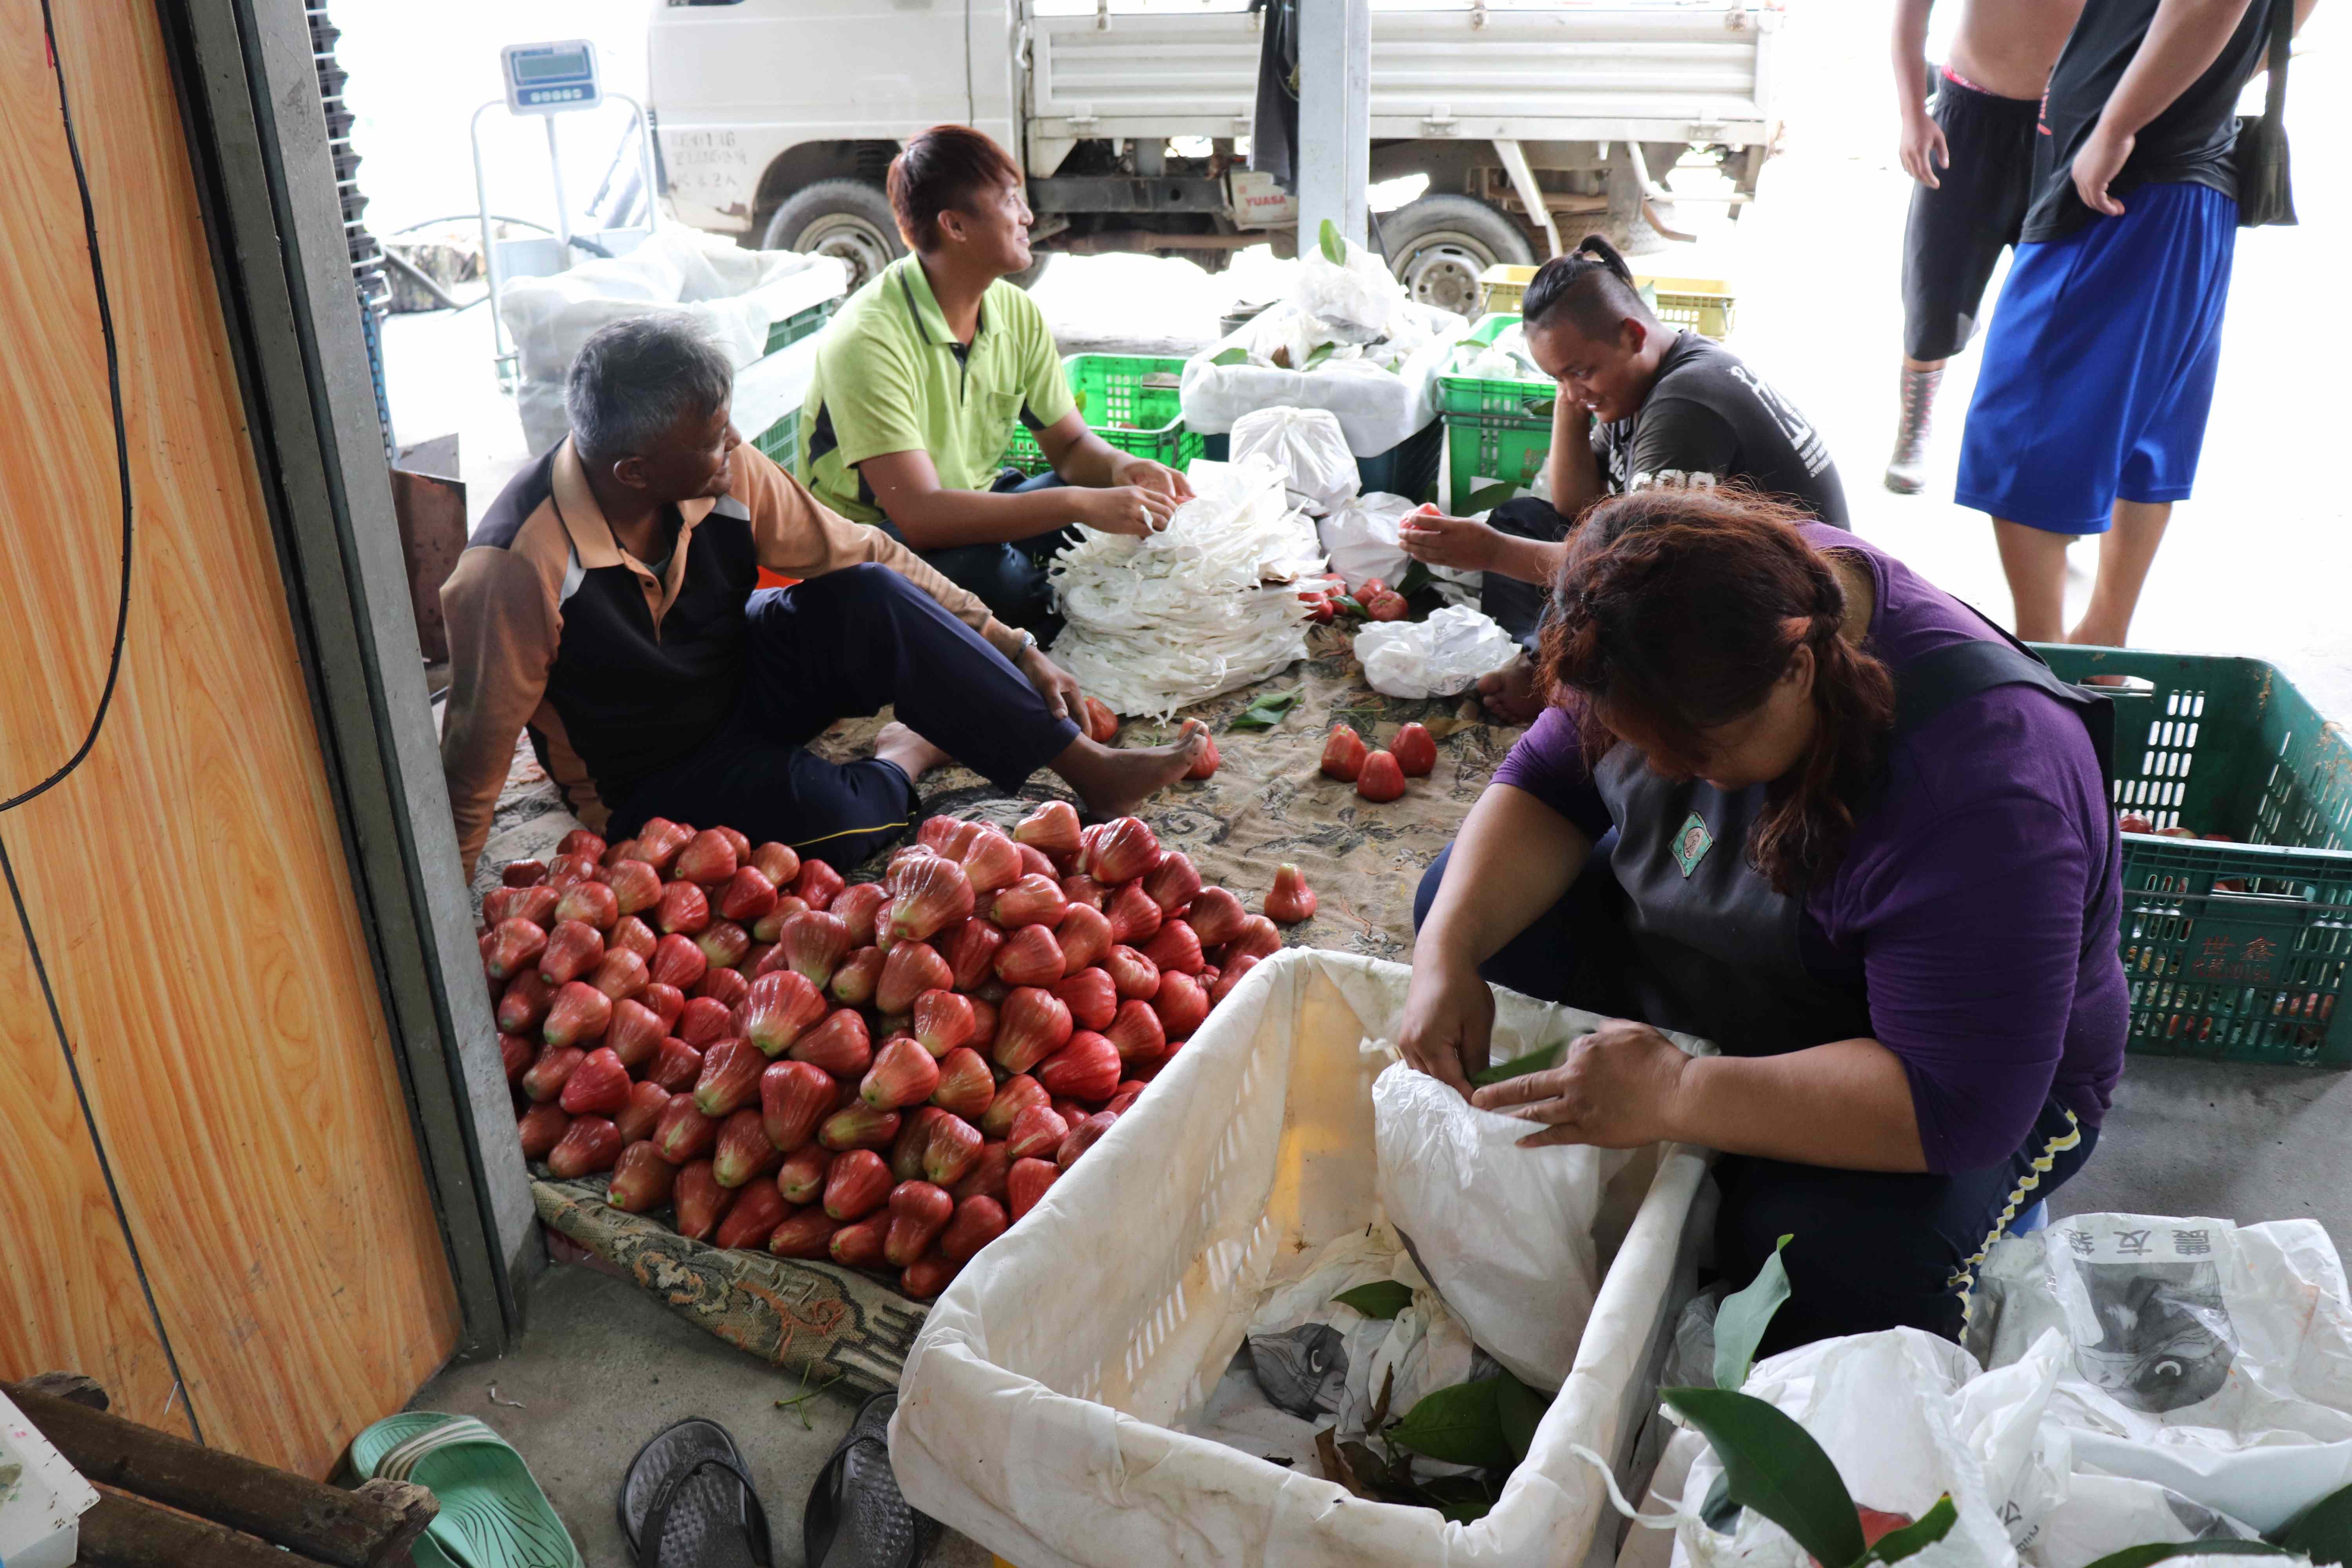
[{"x": 1674, "y": 613}]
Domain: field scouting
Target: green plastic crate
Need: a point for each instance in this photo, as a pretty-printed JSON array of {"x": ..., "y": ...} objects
[
  {"x": 1481, "y": 397},
  {"x": 2234, "y": 951},
  {"x": 782, "y": 440},
  {"x": 800, "y": 325},
  {"x": 1145, "y": 420},
  {"x": 1505, "y": 453}
]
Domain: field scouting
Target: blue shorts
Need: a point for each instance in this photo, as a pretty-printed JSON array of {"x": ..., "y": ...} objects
[{"x": 2098, "y": 370}]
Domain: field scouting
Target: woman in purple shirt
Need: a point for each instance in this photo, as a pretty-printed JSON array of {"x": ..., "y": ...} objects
[{"x": 1794, "y": 799}]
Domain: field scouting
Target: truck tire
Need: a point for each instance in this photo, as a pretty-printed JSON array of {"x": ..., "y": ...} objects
[
  {"x": 846, "y": 218},
  {"x": 1438, "y": 246}
]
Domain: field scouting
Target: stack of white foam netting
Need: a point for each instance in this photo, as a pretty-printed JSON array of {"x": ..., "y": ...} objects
[{"x": 1199, "y": 608}]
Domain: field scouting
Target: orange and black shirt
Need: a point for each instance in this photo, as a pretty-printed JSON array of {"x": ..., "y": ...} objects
[{"x": 617, "y": 670}]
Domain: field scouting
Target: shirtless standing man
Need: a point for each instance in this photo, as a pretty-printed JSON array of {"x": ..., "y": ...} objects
[{"x": 1972, "y": 155}]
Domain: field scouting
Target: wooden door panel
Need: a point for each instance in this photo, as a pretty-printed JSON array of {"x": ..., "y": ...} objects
[{"x": 188, "y": 882}]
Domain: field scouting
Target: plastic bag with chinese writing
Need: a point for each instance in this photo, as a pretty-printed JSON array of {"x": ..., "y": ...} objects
[{"x": 2210, "y": 1359}]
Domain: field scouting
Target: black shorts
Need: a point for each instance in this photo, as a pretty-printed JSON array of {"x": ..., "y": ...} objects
[{"x": 1955, "y": 237}]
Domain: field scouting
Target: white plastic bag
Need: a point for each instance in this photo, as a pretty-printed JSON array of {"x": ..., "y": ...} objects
[
  {"x": 1310, "y": 1363},
  {"x": 1360, "y": 537},
  {"x": 2206, "y": 1358},
  {"x": 1355, "y": 303},
  {"x": 1440, "y": 657},
  {"x": 1382, "y": 393},
  {"x": 1504, "y": 1233},
  {"x": 1308, "y": 447}
]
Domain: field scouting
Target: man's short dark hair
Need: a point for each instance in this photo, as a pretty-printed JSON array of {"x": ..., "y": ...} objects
[
  {"x": 1592, "y": 284},
  {"x": 946, "y": 168},
  {"x": 632, "y": 381}
]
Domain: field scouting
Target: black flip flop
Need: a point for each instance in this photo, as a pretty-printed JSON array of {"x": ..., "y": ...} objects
[
  {"x": 688, "y": 1502},
  {"x": 856, "y": 1518}
]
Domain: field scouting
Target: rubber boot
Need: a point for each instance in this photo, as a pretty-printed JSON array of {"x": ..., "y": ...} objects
[{"x": 1906, "y": 474}]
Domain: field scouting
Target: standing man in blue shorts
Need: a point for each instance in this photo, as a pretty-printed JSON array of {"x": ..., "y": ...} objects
[
  {"x": 1972, "y": 153},
  {"x": 2099, "y": 369}
]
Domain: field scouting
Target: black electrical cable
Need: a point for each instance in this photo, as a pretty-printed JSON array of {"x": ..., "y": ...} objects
[
  {"x": 121, "y": 433},
  {"x": 97, "y": 721}
]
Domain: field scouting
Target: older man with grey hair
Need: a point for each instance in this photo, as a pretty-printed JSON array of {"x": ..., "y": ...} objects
[{"x": 608, "y": 602}]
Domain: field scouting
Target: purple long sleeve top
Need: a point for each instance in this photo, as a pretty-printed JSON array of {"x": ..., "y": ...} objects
[{"x": 1965, "y": 898}]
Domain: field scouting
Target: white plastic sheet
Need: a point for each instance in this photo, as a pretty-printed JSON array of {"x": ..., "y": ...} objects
[
  {"x": 1041, "y": 1407},
  {"x": 1356, "y": 303},
  {"x": 1440, "y": 657},
  {"x": 1362, "y": 538},
  {"x": 1382, "y": 392},
  {"x": 1505, "y": 1233},
  {"x": 1308, "y": 447},
  {"x": 1201, "y": 607}
]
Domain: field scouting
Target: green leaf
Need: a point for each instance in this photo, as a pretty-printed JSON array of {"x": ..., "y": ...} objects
[
  {"x": 1461, "y": 1425},
  {"x": 1380, "y": 1299},
  {"x": 1542, "y": 406},
  {"x": 1740, "y": 1322},
  {"x": 1521, "y": 1409},
  {"x": 1079, "y": 399},
  {"x": 1462, "y": 1499},
  {"x": 1416, "y": 577},
  {"x": 1774, "y": 1467},
  {"x": 2161, "y": 1550},
  {"x": 1519, "y": 1066},
  {"x": 1335, "y": 250},
  {"x": 1318, "y": 354},
  {"x": 1488, "y": 499},
  {"x": 1721, "y": 1514},
  {"x": 1267, "y": 711},
  {"x": 1234, "y": 355},
  {"x": 1932, "y": 1526},
  {"x": 2323, "y": 1532}
]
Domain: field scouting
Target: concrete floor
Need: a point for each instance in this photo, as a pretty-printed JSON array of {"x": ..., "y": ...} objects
[{"x": 2259, "y": 564}]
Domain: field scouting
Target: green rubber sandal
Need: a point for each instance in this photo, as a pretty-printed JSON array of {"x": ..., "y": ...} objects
[{"x": 493, "y": 1514}]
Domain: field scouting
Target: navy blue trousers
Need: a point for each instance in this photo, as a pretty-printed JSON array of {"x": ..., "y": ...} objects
[
  {"x": 1518, "y": 607},
  {"x": 1872, "y": 1249},
  {"x": 1010, "y": 579},
  {"x": 837, "y": 646}
]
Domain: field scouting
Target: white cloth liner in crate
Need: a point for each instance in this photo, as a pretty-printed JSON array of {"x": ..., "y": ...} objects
[
  {"x": 1199, "y": 608},
  {"x": 42, "y": 1497},
  {"x": 1377, "y": 407},
  {"x": 734, "y": 295},
  {"x": 1038, "y": 1410}
]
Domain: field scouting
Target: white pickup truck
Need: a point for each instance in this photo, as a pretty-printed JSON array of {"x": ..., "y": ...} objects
[{"x": 1534, "y": 123}]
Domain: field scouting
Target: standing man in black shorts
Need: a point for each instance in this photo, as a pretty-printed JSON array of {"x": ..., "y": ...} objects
[{"x": 1972, "y": 153}]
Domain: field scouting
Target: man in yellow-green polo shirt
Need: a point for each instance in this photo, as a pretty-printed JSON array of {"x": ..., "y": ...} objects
[{"x": 921, "y": 376}]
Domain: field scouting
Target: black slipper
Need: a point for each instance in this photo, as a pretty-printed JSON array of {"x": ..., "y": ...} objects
[
  {"x": 688, "y": 1502},
  {"x": 856, "y": 1518}
]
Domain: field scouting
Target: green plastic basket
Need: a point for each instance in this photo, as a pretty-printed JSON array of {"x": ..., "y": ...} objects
[
  {"x": 799, "y": 324},
  {"x": 2234, "y": 951},
  {"x": 1480, "y": 397},
  {"x": 782, "y": 440},
  {"x": 1118, "y": 406}
]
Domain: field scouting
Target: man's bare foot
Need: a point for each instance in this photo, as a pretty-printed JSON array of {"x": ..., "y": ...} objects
[
  {"x": 1509, "y": 693},
  {"x": 1112, "y": 781},
  {"x": 914, "y": 755}
]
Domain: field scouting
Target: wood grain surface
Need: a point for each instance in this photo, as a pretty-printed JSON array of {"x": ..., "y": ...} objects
[{"x": 187, "y": 883}]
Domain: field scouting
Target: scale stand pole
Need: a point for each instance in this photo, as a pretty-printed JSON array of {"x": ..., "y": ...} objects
[{"x": 555, "y": 177}]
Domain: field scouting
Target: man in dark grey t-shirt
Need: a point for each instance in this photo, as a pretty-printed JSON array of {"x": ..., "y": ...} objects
[{"x": 1640, "y": 405}]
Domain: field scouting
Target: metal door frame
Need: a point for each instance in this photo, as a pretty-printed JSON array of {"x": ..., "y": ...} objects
[{"x": 257, "y": 145}]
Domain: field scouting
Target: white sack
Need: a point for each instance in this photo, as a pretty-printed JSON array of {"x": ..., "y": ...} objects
[
  {"x": 1308, "y": 445},
  {"x": 1360, "y": 536},
  {"x": 1504, "y": 1233},
  {"x": 1381, "y": 395},
  {"x": 1041, "y": 1408},
  {"x": 1440, "y": 657}
]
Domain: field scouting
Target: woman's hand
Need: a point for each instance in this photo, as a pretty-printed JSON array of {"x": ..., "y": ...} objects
[
  {"x": 1133, "y": 509},
  {"x": 1449, "y": 1018},
  {"x": 1463, "y": 543},
  {"x": 1616, "y": 1091}
]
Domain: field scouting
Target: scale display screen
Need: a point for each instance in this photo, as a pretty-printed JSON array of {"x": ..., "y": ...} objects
[{"x": 552, "y": 78}]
